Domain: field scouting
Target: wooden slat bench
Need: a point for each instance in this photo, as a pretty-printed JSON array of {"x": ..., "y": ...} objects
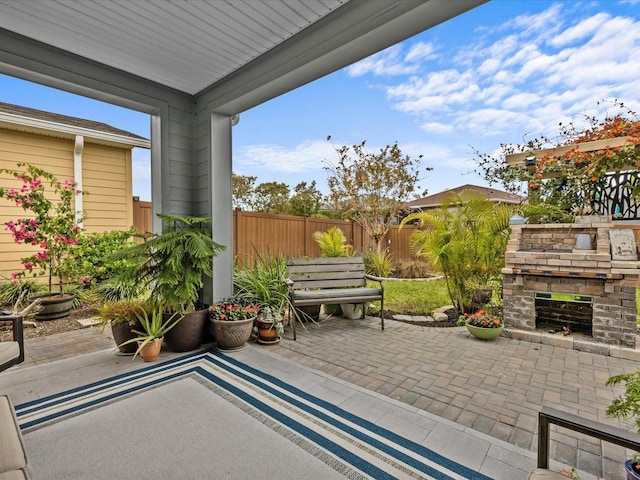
[{"x": 317, "y": 281}]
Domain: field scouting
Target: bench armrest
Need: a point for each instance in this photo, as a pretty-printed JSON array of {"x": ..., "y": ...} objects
[
  {"x": 374, "y": 278},
  {"x": 17, "y": 337}
]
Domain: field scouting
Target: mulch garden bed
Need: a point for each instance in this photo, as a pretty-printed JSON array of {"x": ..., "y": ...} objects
[{"x": 50, "y": 327}]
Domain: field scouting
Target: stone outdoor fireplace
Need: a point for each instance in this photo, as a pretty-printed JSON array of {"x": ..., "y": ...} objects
[{"x": 550, "y": 285}]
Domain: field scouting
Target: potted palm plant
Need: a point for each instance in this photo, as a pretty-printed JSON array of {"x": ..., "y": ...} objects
[
  {"x": 174, "y": 264},
  {"x": 155, "y": 325}
]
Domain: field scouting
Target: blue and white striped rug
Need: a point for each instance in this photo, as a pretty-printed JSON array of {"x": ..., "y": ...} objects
[{"x": 346, "y": 443}]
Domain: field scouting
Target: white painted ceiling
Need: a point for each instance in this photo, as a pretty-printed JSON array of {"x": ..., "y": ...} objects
[
  {"x": 186, "y": 45},
  {"x": 234, "y": 54}
]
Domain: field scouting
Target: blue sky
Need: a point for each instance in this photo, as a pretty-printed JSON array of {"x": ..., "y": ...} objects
[{"x": 504, "y": 72}]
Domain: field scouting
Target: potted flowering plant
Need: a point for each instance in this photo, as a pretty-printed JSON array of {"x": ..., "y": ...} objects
[
  {"x": 482, "y": 324},
  {"x": 232, "y": 321},
  {"x": 51, "y": 226}
]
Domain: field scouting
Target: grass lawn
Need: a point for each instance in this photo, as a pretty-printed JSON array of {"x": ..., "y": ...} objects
[{"x": 414, "y": 296}]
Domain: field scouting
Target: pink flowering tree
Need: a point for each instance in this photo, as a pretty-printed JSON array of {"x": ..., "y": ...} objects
[{"x": 50, "y": 224}]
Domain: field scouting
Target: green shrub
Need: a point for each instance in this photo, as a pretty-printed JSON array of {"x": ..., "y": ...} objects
[
  {"x": 264, "y": 282},
  {"x": 121, "y": 311},
  {"x": 378, "y": 264},
  {"x": 10, "y": 292},
  {"x": 120, "y": 288},
  {"x": 332, "y": 243},
  {"x": 412, "y": 269},
  {"x": 466, "y": 241},
  {"x": 90, "y": 260}
]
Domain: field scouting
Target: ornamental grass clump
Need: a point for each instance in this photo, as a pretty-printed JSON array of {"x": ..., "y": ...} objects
[
  {"x": 232, "y": 310},
  {"x": 480, "y": 319}
]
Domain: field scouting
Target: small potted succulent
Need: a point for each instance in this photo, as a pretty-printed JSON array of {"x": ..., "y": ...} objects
[
  {"x": 155, "y": 325},
  {"x": 482, "y": 324},
  {"x": 232, "y": 321},
  {"x": 268, "y": 325}
]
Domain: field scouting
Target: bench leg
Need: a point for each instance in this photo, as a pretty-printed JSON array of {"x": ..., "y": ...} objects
[
  {"x": 293, "y": 325},
  {"x": 382, "y": 314}
]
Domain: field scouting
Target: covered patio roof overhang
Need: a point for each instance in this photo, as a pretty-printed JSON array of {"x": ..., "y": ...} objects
[{"x": 192, "y": 66}]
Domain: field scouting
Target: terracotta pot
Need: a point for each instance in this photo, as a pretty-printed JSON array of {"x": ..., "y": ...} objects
[
  {"x": 188, "y": 334},
  {"x": 54, "y": 306},
  {"x": 151, "y": 351},
  {"x": 232, "y": 335},
  {"x": 267, "y": 332}
]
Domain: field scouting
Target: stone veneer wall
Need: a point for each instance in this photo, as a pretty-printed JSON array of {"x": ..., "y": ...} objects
[{"x": 612, "y": 284}]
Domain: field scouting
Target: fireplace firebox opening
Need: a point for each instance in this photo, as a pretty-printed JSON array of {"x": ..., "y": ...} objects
[{"x": 566, "y": 312}]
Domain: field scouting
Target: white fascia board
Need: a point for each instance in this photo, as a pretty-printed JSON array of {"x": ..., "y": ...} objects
[{"x": 35, "y": 125}]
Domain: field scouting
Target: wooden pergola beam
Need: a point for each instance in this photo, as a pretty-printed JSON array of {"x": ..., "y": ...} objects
[{"x": 519, "y": 159}]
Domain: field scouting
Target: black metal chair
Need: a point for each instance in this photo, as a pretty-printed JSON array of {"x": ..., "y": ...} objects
[
  {"x": 12, "y": 352},
  {"x": 601, "y": 431}
]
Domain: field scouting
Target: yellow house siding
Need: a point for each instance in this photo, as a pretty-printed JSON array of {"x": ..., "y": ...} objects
[
  {"x": 107, "y": 177},
  {"x": 52, "y": 154}
]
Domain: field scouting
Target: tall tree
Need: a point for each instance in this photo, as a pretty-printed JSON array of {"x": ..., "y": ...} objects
[
  {"x": 271, "y": 197},
  {"x": 372, "y": 187},
  {"x": 306, "y": 200},
  {"x": 242, "y": 189}
]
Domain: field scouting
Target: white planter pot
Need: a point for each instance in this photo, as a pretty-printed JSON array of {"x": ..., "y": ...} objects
[{"x": 352, "y": 311}]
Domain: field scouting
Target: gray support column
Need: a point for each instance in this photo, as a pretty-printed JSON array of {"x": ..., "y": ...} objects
[
  {"x": 221, "y": 206},
  {"x": 157, "y": 173}
]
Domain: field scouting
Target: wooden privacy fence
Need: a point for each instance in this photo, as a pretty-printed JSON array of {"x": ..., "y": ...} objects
[
  {"x": 290, "y": 236},
  {"x": 141, "y": 216}
]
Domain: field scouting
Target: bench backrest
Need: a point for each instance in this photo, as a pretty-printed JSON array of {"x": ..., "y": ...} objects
[{"x": 326, "y": 272}]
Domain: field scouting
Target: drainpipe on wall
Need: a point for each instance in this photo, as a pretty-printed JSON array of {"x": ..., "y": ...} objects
[{"x": 77, "y": 175}]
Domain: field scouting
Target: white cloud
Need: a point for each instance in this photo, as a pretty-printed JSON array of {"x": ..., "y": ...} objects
[
  {"x": 420, "y": 51},
  {"x": 300, "y": 158},
  {"x": 436, "y": 127},
  {"x": 386, "y": 62},
  {"x": 392, "y": 61},
  {"x": 539, "y": 72}
]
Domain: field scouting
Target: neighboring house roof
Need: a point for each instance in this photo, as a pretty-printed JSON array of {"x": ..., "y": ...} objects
[
  {"x": 436, "y": 200},
  {"x": 15, "y": 117}
]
